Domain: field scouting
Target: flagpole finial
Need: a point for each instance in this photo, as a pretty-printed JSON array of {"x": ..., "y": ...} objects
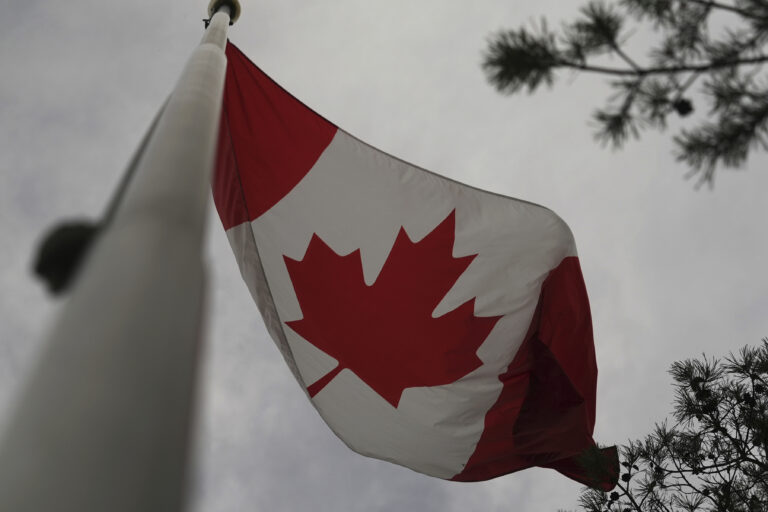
[{"x": 232, "y": 5}]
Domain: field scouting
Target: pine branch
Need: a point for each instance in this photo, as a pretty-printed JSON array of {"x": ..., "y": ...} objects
[
  {"x": 647, "y": 94},
  {"x": 663, "y": 70},
  {"x": 729, "y": 8}
]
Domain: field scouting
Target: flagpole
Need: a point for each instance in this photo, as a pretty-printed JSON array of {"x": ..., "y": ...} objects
[{"x": 103, "y": 421}]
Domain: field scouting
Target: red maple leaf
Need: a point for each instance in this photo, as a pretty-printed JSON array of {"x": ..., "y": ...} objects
[{"x": 385, "y": 332}]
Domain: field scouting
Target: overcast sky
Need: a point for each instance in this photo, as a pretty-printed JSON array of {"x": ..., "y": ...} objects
[{"x": 671, "y": 272}]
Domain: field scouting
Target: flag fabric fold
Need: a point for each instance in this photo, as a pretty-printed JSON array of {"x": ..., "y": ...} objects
[{"x": 432, "y": 324}]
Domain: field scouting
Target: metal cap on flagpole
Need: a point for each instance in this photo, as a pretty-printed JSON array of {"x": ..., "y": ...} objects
[{"x": 232, "y": 5}]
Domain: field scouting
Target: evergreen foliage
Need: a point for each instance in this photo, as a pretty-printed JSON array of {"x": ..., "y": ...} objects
[
  {"x": 713, "y": 458},
  {"x": 727, "y": 63}
]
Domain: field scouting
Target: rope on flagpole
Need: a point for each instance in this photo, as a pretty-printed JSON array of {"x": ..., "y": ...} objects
[
  {"x": 64, "y": 247},
  {"x": 103, "y": 420}
]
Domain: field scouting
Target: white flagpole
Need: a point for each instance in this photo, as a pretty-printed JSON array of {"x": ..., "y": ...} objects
[{"x": 103, "y": 422}]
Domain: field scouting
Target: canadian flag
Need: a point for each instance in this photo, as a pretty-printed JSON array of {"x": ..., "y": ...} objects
[{"x": 432, "y": 324}]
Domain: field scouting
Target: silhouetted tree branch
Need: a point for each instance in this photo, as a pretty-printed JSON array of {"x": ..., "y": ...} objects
[
  {"x": 714, "y": 457},
  {"x": 729, "y": 63}
]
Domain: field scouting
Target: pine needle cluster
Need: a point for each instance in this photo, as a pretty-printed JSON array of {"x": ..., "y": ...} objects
[
  {"x": 691, "y": 47},
  {"x": 713, "y": 459}
]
